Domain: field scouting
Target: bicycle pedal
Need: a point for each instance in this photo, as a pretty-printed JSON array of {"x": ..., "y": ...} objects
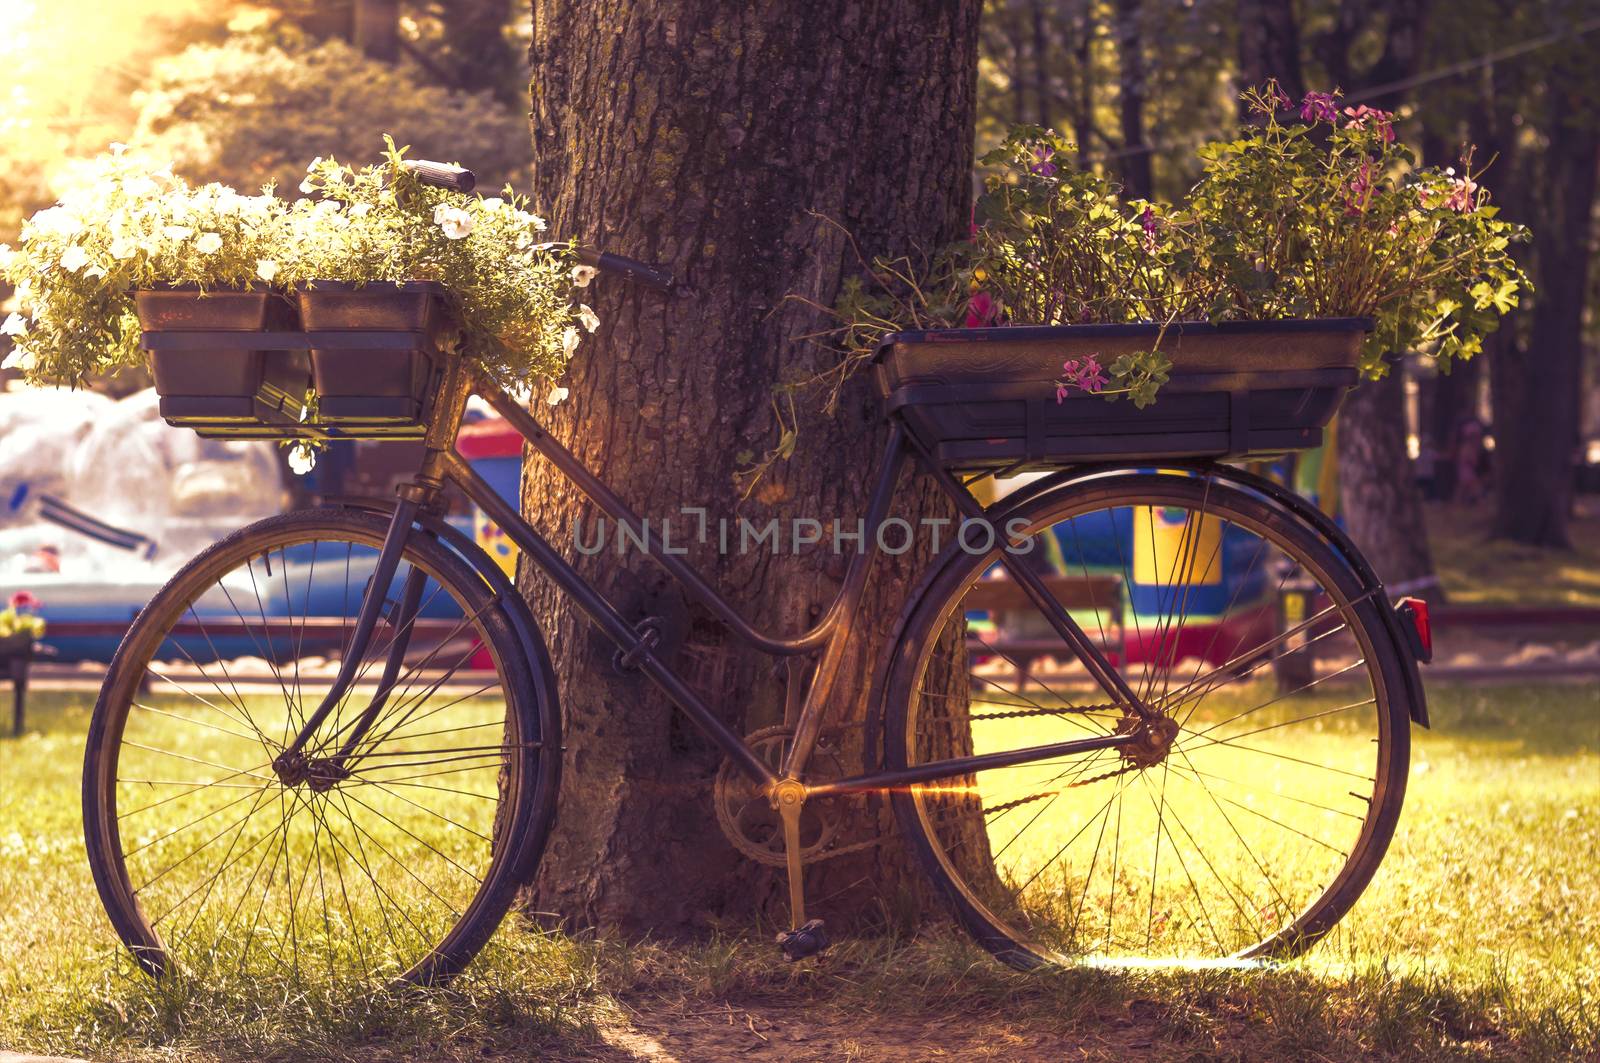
[{"x": 808, "y": 940}]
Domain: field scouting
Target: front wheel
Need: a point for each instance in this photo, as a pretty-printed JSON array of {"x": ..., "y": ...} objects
[
  {"x": 1252, "y": 823},
  {"x": 392, "y": 853}
]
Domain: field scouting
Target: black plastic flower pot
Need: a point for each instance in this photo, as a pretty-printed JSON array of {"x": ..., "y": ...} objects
[
  {"x": 985, "y": 399},
  {"x": 216, "y": 381},
  {"x": 380, "y": 371}
]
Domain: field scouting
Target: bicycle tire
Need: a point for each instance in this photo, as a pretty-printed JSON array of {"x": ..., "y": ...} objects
[
  {"x": 525, "y": 765},
  {"x": 930, "y": 618}
]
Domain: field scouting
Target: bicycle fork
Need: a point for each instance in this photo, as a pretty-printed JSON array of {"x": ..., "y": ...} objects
[{"x": 293, "y": 766}]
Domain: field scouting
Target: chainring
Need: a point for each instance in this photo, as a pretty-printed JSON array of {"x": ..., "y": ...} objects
[{"x": 751, "y": 823}]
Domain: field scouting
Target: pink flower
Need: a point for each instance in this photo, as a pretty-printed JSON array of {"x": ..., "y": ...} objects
[
  {"x": 1279, "y": 97},
  {"x": 1084, "y": 374},
  {"x": 1151, "y": 225},
  {"x": 1042, "y": 164},
  {"x": 24, "y": 600},
  {"x": 1360, "y": 189},
  {"x": 1463, "y": 195},
  {"x": 1382, "y": 121},
  {"x": 983, "y": 310},
  {"x": 1319, "y": 107}
]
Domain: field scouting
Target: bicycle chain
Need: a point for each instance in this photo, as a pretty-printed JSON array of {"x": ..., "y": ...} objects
[
  {"x": 1065, "y": 710},
  {"x": 854, "y": 847}
]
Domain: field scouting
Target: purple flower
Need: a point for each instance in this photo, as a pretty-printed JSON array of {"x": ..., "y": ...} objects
[
  {"x": 1382, "y": 121},
  {"x": 1042, "y": 164},
  {"x": 1151, "y": 226},
  {"x": 1084, "y": 374},
  {"x": 1279, "y": 97},
  {"x": 1319, "y": 107}
]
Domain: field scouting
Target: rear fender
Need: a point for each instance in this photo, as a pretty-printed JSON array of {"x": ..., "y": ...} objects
[{"x": 1288, "y": 502}]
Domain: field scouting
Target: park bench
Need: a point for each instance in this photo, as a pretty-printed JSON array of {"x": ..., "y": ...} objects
[
  {"x": 1099, "y": 595},
  {"x": 311, "y": 633}
]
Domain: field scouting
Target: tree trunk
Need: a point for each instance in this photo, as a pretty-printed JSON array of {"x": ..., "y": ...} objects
[
  {"x": 1537, "y": 414},
  {"x": 1382, "y": 503},
  {"x": 1377, "y": 489},
  {"x": 1269, "y": 47},
  {"x": 716, "y": 139},
  {"x": 1135, "y": 162},
  {"x": 480, "y": 56},
  {"x": 377, "y": 28},
  {"x": 1455, "y": 401}
]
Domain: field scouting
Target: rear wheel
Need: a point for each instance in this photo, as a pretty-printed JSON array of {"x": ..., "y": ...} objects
[
  {"x": 394, "y": 864},
  {"x": 1280, "y": 751}
]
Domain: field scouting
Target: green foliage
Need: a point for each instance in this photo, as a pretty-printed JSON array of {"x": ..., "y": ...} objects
[
  {"x": 251, "y": 110},
  {"x": 512, "y": 292},
  {"x": 1331, "y": 217},
  {"x": 131, "y": 224},
  {"x": 126, "y": 223}
]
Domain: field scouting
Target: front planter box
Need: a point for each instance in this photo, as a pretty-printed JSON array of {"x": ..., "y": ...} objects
[
  {"x": 984, "y": 399},
  {"x": 216, "y": 382},
  {"x": 381, "y": 369}
]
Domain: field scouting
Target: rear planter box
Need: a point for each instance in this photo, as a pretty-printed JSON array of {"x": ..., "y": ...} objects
[
  {"x": 984, "y": 399},
  {"x": 375, "y": 356},
  {"x": 213, "y": 380}
]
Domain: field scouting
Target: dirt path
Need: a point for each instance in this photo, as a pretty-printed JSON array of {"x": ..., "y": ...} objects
[{"x": 653, "y": 1031}]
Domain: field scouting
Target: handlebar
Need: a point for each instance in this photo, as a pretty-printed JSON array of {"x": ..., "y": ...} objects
[
  {"x": 634, "y": 270},
  {"x": 444, "y": 175}
]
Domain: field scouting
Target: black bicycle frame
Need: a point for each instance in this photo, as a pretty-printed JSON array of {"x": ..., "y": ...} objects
[{"x": 830, "y": 634}]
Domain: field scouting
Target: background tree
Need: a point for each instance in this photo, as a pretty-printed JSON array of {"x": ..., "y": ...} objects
[
  {"x": 259, "y": 106},
  {"x": 723, "y": 141},
  {"x": 1535, "y": 122}
]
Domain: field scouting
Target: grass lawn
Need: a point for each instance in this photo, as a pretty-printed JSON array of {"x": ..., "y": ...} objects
[
  {"x": 1476, "y": 570},
  {"x": 1479, "y": 938}
]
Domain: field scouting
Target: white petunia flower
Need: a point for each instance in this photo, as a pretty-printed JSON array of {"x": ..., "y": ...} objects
[
  {"x": 209, "y": 243},
  {"x": 74, "y": 259},
  {"x": 19, "y": 358},
  {"x": 539, "y": 224},
  {"x": 455, "y": 222},
  {"x": 122, "y": 247},
  {"x": 302, "y": 459},
  {"x": 177, "y": 232},
  {"x": 15, "y": 325},
  {"x": 587, "y": 317},
  {"x": 360, "y": 210},
  {"x": 492, "y": 204},
  {"x": 569, "y": 340},
  {"x": 557, "y": 396},
  {"x": 582, "y": 275},
  {"x": 266, "y": 269}
]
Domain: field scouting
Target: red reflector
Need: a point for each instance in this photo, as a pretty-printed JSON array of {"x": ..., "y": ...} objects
[{"x": 1415, "y": 612}]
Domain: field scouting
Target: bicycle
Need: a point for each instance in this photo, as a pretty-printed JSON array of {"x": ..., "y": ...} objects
[{"x": 342, "y": 803}]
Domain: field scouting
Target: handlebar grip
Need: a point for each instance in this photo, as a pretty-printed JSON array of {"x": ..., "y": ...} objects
[
  {"x": 442, "y": 174},
  {"x": 648, "y": 275}
]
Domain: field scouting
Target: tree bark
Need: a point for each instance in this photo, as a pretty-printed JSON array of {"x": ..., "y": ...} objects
[
  {"x": 716, "y": 139},
  {"x": 1378, "y": 490}
]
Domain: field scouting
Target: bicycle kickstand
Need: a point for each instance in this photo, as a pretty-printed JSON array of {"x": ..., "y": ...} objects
[{"x": 808, "y": 937}]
